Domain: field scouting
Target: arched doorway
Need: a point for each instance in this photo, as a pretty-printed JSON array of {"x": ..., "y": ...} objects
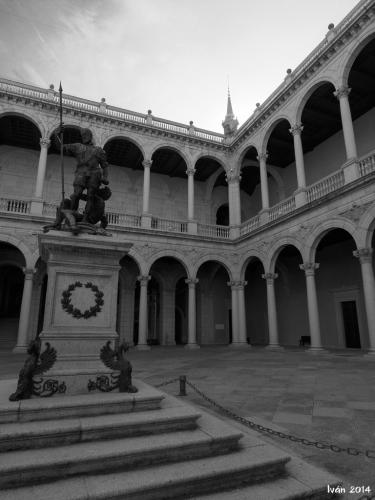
[{"x": 256, "y": 303}]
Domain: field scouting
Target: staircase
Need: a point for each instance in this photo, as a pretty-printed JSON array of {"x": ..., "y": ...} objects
[{"x": 138, "y": 447}]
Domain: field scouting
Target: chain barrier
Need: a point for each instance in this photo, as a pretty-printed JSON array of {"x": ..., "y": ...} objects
[{"x": 248, "y": 423}]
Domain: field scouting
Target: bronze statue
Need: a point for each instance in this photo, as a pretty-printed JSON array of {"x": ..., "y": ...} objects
[
  {"x": 35, "y": 364},
  {"x": 116, "y": 361}
]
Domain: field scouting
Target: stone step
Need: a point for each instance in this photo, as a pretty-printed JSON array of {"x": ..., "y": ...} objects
[
  {"x": 46, "y": 464},
  {"x": 301, "y": 481},
  {"x": 61, "y": 407},
  {"x": 41, "y": 434},
  {"x": 249, "y": 464}
]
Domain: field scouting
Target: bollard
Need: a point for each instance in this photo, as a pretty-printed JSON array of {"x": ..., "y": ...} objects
[{"x": 182, "y": 385}]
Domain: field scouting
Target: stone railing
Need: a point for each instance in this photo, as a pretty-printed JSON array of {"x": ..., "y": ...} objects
[
  {"x": 282, "y": 208},
  {"x": 325, "y": 186},
  {"x": 213, "y": 231},
  {"x": 49, "y": 209},
  {"x": 125, "y": 220},
  {"x": 367, "y": 164},
  {"x": 12, "y": 205},
  {"x": 68, "y": 101},
  {"x": 170, "y": 225},
  {"x": 250, "y": 225}
]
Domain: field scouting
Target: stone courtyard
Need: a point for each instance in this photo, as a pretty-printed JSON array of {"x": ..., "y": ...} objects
[{"x": 327, "y": 397}]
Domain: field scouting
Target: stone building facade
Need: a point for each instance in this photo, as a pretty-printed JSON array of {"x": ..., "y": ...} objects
[{"x": 257, "y": 236}]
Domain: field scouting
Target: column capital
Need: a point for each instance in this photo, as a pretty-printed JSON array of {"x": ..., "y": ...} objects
[
  {"x": 143, "y": 280},
  {"x": 270, "y": 277},
  {"x": 262, "y": 157},
  {"x": 237, "y": 284},
  {"x": 29, "y": 273},
  {"x": 232, "y": 177},
  {"x": 44, "y": 143},
  {"x": 192, "y": 282},
  {"x": 309, "y": 268},
  {"x": 341, "y": 92},
  {"x": 147, "y": 163},
  {"x": 190, "y": 171},
  {"x": 296, "y": 129},
  {"x": 363, "y": 254}
]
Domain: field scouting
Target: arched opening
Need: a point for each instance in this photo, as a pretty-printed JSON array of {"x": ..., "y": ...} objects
[
  {"x": 11, "y": 288},
  {"x": 251, "y": 196},
  {"x": 256, "y": 303},
  {"x": 280, "y": 149},
  {"x": 19, "y": 145},
  {"x": 125, "y": 176},
  {"x": 222, "y": 215},
  {"x": 181, "y": 312},
  {"x": 128, "y": 301},
  {"x": 291, "y": 300},
  {"x": 322, "y": 138},
  {"x": 213, "y": 304},
  {"x": 205, "y": 169},
  {"x": 340, "y": 296},
  {"x": 361, "y": 81},
  {"x": 167, "y": 293}
]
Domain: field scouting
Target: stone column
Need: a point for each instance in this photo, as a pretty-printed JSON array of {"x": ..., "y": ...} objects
[
  {"x": 37, "y": 201},
  {"x": 23, "y": 325},
  {"x": 242, "y": 337},
  {"x": 143, "y": 314},
  {"x": 300, "y": 194},
  {"x": 42, "y": 165},
  {"x": 342, "y": 94},
  {"x": 235, "y": 310},
  {"x": 192, "y": 224},
  {"x": 365, "y": 258},
  {"x": 146, "y": 218},
  {"x": 192, "y": 320},
  {"x": 273, "y": 332},
  {"x": 262, "y": 158},
  {"x": 312, "y": 305},
  {"x": 234, "y": 202}
]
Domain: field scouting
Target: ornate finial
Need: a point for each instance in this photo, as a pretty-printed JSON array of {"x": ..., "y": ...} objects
[
  {"x": 331, "y": 26},
  {"x": 102, "y": 99},
  {"x": 52, "y": 86}
]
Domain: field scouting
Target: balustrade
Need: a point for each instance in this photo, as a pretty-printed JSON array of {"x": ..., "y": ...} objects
[
  {"x": 282, "y": 208},
  {"x": 367, "y": 165},
  {"x": 15, "y": 206},
  {"x": 213, "y": 231},
  {"x": 325, "y": 186},
  {"x": 250, "y": 225}
]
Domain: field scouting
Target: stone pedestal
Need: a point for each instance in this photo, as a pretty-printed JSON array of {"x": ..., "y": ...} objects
[{"x": 81, "y": 302}]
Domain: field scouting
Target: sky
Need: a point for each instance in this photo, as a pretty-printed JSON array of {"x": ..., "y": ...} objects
[{"x": 174, "y": 57}]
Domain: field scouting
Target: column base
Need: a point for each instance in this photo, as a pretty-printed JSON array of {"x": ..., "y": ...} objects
[
  {"x": 192, "y": 346},
  {"x": 142, "y": 347},
  {"x": 264, "y": 216},
  {"x": 300, "y": 197},
  {"x": 36, "y": 207},
  {"x": 274, "y": 347},
  {"x": 370, "y": 354},
  {"x": 192, "y": 227},
  {"x": 146, "y": 220},
  {"x": 351, "y": 170},
  {"x": 20, "y": 349},
  {"x": 234, "y": 232},
  {"x": 239, "y": 345}
]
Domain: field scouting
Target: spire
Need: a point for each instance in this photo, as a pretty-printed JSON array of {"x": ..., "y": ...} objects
[{"x": 230, "y": 122}]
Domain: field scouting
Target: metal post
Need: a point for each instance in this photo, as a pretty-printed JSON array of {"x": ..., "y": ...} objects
[{"x": 182, "y": 385}]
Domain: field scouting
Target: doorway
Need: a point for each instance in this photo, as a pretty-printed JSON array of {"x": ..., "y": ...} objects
[{"x": 350, "y": 323}]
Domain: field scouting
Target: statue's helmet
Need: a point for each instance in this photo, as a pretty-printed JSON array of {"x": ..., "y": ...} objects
[{"x": 86, "y": 135}]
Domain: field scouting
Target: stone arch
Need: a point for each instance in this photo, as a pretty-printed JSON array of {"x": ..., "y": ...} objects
[
  {"x": 141, "y": 261},
  {"x": 211, "y": 157},
  {"x": 34, "y": 120},
  {"x": 275, "y": 249},
  {"x": 300, "y": 105},
  {"x": 172, "y": 147},
  {"x": 77, "y": 125},
  {"x": 174, "y": 254},
  {"x": 26, "y": 252},
  {"x": 250, "y": 256},
  {"x": 211, "y": 258},
  {"x": 119, "y": 135},
  {"x": 271, "y": 127},
  {"x": 348, "y": 62},
  {"x": 322, "y": 229},
  {"x": 365, "y": 228},
  {"x": 243, "y": 150},
  {"x": 211, "y": 183}
]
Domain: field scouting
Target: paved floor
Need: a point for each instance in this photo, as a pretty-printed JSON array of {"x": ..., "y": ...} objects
[{"x": 326, "y": 397}]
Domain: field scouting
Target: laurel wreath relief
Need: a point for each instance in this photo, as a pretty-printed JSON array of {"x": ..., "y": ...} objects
[{"x": 67, "y": 305}]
